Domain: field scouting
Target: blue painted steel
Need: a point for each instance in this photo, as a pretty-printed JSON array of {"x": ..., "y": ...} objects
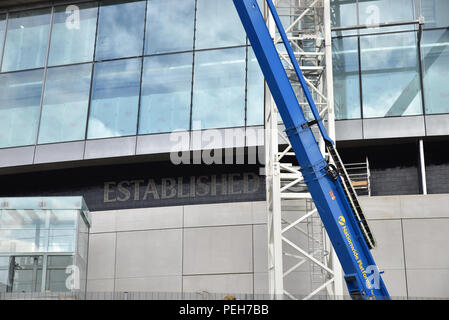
[{"x": 328, "y": 195}]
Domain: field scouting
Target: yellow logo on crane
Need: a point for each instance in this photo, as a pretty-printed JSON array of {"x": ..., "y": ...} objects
[{"x": 341, "y": 220}]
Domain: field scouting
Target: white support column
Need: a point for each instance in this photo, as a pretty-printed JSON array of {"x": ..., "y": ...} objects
[
  {"x": 336, "y": 266},
  {"x": 275, "y": 262},
  {"x": 423, "y": 166}
]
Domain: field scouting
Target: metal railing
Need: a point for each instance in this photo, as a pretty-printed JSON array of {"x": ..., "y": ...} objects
[{"x": 359, "y": 173}]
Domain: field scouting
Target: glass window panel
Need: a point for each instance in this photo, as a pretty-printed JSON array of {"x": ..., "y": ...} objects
[
  {"x": 436, "y": 13},
  {"x": 115, "y": 99},
  {"x": 120, "y": 29},
  {"x": 384, "y": 11},
  {"x": 20, "y": 96},
  {"x": 4, "y": 280},
  {"x": 344, "y": 15},
  {"x": 170, "y": 25},
  {"x": 25, "y": 240},
  {"x": 26, "y": 40},
  {"x": 59, "y": 261},
  {"x": 73, "y": 34},
  {"x": 56, "y": 280},
  {"x": 27, "y": 274},
  {"x": 390, "y": 76},
  {"x": 435, "y": 52},
  {"x": 63, "y": 219},
  {"x": 23, "y": 219},
  {"x": 166, "y": 93},
  {"x": 219, "y": 88},
  {"x": 66, "y": 100},
  {"x": 255, "y": 105},
  {"x": 61, "y": 240},
  {"x": 346, "y": 78},
  {"x": 218, "y": 25}
]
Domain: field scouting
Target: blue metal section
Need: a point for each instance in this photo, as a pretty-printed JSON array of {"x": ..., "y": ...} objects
[{"x": 328, "y": 194}]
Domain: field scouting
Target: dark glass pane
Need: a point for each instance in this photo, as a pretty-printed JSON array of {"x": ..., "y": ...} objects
[
  {"x": 390, "y": 76},
  {"x": 120, "y": 29},
  {"x": 66, "y": 100},
  {"x": 73, "y": 34},
  {"x": 26, "y": 40},
  {"x": 435, "y": 57},
  {"x": 218, "y": 25},
  {"x": 255, "y": 94},
  {"x": 166, "y": 93},
  {"x": 170, "y": 25},
  {"x": 20, "y": 97},
  {"x": 115, "y": 99},
  {"x": 219, "y": 88},
  {"x": 346, "y": 78}
]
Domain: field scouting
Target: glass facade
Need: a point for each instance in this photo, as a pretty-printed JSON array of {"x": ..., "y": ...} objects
[
  {"x": 26, "y": 40},
  {"x": 115, "y": 99},
  {"x": 102, "y": 69},
  {"x": 20, "y": 97},
  {"x": 435, "y": 57},
  {"x": 65, "y": 104},
  {"x": 166, "y": 93},
  {"x": 390, "y": 71},
  {"x": 73, "y": 34},
  {"x": 219, "y": 88}
]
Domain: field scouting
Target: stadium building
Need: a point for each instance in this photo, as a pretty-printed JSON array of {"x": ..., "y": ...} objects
[{"x": 155, "y": 112}]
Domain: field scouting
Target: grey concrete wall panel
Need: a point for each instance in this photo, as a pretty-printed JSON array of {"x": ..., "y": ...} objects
[
  {"x": 59, "y": 152},
  {"x": 109, "y": 148},
  {"x": 395, "y": 282},
  {"x": 223, "y": 283},
  {"x": 349, "y": 130},
  {"x": 100, "y": 285},
  {"x": 149, "y": 218},
  {"x": 218, "y": 214},
  {"x": 425, "y": 206},
  {"x": 12, "y": 157},
  {"x": 261, "y": 286},
  {"x": 397, "y": 127},
  {"x": 428, "y": 283},
  {"x": 218, "y": 250},
  {"x": 385, "y": 207},
  {"x": 389, "y": 253},
  {"x": 407, "y": 206},
  {"x": 259, "y": 212},
  {"x": 171, "y": 284},
  {"x": 101, "y": 256},
  {"x": 163, "y": 143},
  {"x": 437, "y": 125},
  {"x": 103, "y": 221},
  {"x": 149, "y": 253},
  {"x": 426, "y": 243},
  {"x": 260, "y": 247}
]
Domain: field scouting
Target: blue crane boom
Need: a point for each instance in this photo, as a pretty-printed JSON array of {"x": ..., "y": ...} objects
[{"x": 329, "y": 185}]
